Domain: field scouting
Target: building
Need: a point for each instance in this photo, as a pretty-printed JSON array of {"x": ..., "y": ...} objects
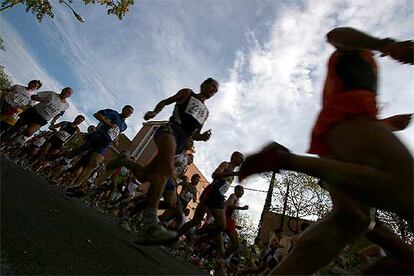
[{"x": 272, "y": 221}]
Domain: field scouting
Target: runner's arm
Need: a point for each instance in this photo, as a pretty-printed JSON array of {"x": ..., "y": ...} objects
[
  {"x": 41, "y": 96},
  {"x": 58, "y": 125},
  {"x": 178, "y": 97},
  {"x": 56, "y": 118},
  {"x": 101, "y": 118}
]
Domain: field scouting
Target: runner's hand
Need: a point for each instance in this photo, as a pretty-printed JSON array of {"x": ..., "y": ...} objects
[
  {"x": 402, "y": 51},
  {"x": 149, "y": 115},
  {"x": 245, "y": 207},
  {"x": 205, "y": 135}
]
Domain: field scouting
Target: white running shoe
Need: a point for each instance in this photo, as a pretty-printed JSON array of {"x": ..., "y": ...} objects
[{"x": 155, "y": 234}]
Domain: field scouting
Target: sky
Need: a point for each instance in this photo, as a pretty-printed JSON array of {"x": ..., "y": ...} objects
[{"x": 268, "y": 56}]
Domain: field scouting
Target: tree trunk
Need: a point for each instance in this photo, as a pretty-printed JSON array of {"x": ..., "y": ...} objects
[{"x": 267, "y": 205}]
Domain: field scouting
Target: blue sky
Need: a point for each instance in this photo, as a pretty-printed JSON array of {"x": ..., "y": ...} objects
[{"x": 269, "y": 57}]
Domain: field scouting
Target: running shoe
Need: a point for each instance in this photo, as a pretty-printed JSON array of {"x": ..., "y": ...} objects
[
  {"x": 78, "y": 193},
  {"x": 155, "y": 235}
]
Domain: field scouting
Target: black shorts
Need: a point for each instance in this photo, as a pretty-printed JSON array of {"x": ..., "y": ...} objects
[
  {"x": 84, "y": 161},
  {"x": 31, "y": 116},
  {"x": 212, "y": 198},
  {"x": 56, "y": 142},
  {"x": 181, "y": 137},
  {"x": 6, "y": 108},
  {"x": 96, "y": 142}
]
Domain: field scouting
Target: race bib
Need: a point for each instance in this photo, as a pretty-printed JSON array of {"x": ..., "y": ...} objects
[
  {"x": 15, "y": 116},
  {"x": 113, "y": 132},
  {"x": 20, "y": 100},
  {"x": 124, "y": 171},
  {"x": 63, "y": 135},
  {"x": 38, "y": 143},
  {"x": 51, "y": 109},
  {"x": 197, "y": 110},
  {"x": 188, "y": 196},
  {"x": 224, "y": 188}
]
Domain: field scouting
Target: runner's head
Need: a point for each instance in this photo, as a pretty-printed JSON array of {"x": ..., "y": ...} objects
[
  {"x": 186, "y": 212},
  {"x": 239, "y": 191},
  {"x": 78, "y": 120},
  {"x": 34, "y": 85},
  {"x": 190, "y": 158},
  {"x": 237, "y": 158},
  {"x": 184, "y": 178},
  {"x": 195, "y": 179},
  {"x": 66, "y": 92},
  {"x": 209, "y": 87},
  {"x": 127, "y": 111},
  {"x": 91, "y": 129}
]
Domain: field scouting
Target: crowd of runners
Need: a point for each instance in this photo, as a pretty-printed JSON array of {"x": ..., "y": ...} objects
[{"x": 362, "y": 164}]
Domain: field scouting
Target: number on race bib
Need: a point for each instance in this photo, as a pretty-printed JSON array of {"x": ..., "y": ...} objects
[
  {"x": 20, "y": 100},
  {"x": 188, "y": 196},
  {"x": 63, "y": 135},
  {"x": 113, "y": 132},
  {"x": 197, "y": 110},
  {"x": 51, "y": 109},
  {"x": 224, "y": 188}
]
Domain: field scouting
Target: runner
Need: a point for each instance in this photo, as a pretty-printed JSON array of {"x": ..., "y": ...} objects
[
  {"x": 212, "y": 199},
  {"x": 51, "y": 106},
  {"x": 232, "y": 207},
  {"x": 188, "y": 191},
  {"x": 14, "y": 100},
  {"x": 370, "y": 162},
  {"x": 111, "y": 124},
  {"x": 188, "y": 118},
  {"x": 54, "y": 144}
]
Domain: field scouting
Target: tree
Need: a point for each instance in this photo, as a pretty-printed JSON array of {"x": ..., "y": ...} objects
[
  {"x": 271, "y": 178},
  {"x": 248, "y": 229},
  {"x": 42, "y": 8},
  {"x": 397, "y": 225},
  {"x": 5, "y": 81},
  {"x": 305, "y": 198}
]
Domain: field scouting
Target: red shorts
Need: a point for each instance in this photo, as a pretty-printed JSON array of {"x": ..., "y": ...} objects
[
  {"x": 337, "y": 109},
  {"x": 231, "y": 225}
]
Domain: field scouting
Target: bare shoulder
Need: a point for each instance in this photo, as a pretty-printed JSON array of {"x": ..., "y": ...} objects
[{"x": 183, "y": 95}]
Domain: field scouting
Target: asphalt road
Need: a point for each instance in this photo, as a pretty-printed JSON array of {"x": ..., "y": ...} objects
[{"x": 45, "y": 232}]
